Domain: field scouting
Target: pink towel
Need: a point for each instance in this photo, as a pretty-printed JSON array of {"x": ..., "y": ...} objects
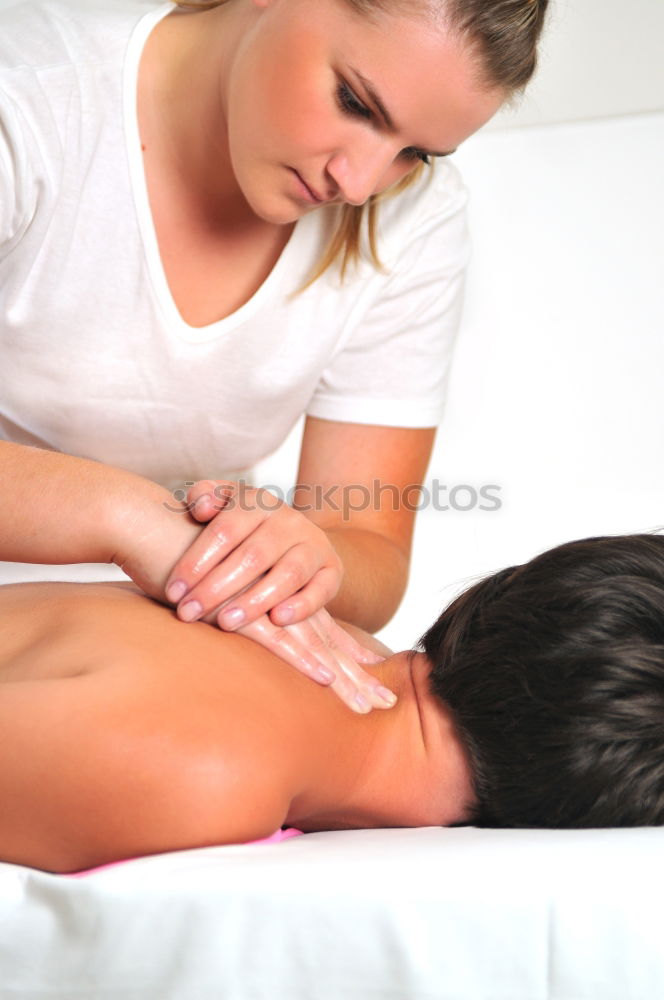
[
  {"x": 275, "y": 838},
  {"x": 280, "y": 835}
]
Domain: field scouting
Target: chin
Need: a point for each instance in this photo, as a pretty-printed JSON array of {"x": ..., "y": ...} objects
[
  {"x": 268, "y": 204},
  {"x": 282, "y": 217},
  {"x": 268, "y": 200},
  {"x": 275, "y": 211}
]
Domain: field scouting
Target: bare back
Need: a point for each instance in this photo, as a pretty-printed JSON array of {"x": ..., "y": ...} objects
[{"x": 145, "y": 731}]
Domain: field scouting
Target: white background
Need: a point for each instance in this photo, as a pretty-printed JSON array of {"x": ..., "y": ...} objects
[{"x": 598, "y": 57}]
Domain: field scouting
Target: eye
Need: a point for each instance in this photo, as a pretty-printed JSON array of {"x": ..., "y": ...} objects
[
  {"x": 350, "y": 104},
  {"x": 411, "y": 153}
]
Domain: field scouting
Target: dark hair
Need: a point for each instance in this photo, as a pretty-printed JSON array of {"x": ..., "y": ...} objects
[{"x": 554, "y": 671}]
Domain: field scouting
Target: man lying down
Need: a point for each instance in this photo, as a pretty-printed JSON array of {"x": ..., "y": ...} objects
[{"x": 536, "y": 699}]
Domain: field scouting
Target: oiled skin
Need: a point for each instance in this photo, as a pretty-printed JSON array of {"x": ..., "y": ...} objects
[{"x": 127, "y": 732}]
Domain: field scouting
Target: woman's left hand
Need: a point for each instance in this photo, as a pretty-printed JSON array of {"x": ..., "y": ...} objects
[
  {"x": 284, "y": 564},
  {"x": 320, "y": 641}
]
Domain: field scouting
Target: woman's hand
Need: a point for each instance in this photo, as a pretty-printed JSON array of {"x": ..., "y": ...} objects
[
  {"x": 283, "y": 564},
  {"x": 322, "y": 650},
  {"x": 152, "y": 532}
]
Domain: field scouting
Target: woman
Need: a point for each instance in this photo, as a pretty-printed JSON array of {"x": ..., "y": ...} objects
[{"x": 184, "y": 270}]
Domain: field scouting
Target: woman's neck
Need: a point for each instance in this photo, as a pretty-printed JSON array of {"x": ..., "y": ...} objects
[{"x": 182, "y": 105}]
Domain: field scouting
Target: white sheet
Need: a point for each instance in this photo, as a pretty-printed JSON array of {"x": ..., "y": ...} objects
[{"x": 459, "y": 914}]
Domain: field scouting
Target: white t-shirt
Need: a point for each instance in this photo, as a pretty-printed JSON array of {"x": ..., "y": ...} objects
[{"x": 96, "y": 360}]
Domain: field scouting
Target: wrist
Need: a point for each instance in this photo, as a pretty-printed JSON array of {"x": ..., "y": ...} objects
[
  {"x": 150, "y": 530},
  {"x": 130, "y": 506}
]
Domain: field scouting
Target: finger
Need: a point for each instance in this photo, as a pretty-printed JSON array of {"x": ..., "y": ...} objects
[
  {"x": 208, "y": 496},
  {"x": 211, "y": 617},
  {"x": 365, "y": 688},
  {"x": 310, "y": 599},
  {"x": 215, "y": 542},
  {"x": 350, "y": 645},
  {"x": 255, "y": 565},
  {"x": 303, "y": 645},
  {"x": 289, "y": 648},
  {"x": 287, "y": 575},
  {"x": 341, "y": 638},
  {"x": 219, "y": 489},
  {"x": 357, "y": 688},
  {"x": 366, "y": 684},
  {"x": 343, "y": 685},
  {"x": 312, "y": 596}
]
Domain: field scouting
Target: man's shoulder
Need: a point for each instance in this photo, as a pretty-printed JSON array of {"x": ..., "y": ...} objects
[
  {"x": 182, "y": 769},
  {"x": 366, "y": 639}
]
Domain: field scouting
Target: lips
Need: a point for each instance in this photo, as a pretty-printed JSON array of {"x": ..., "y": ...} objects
[{"x": 313, "y": 194}]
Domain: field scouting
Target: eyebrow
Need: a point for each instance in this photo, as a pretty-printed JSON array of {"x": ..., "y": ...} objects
[{"x": 384, "y": 113}]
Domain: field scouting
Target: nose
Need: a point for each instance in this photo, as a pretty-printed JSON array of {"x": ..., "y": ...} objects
[{"x": 363, "y": 168}]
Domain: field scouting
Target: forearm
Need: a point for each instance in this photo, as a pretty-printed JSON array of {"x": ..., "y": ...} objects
[
  {"x": 60, "y": 509},
  {"x": 375, "y": 577}
]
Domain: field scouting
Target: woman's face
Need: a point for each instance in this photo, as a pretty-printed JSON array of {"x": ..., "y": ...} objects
[{"x": 323, "y": 104}]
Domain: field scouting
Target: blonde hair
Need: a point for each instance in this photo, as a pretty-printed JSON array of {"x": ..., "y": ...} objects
[{"x": 503, "y": 36}]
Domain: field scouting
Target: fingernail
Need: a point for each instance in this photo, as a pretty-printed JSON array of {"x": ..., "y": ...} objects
[
  {"x": 386, "y": 695},
  {"x": 286, "y": 615},
  {"x": 190, "y": 611},
  {"x": 362, "y": 704},
  {"x": 232, "y": 618},
  {"x": 206, "y": 498},
  {"x": 176, "y": 590},
  {"x": 325, "y": 675}
]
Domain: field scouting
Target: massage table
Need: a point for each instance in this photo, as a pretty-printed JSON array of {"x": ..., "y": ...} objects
[{"x": 422, "y": 914}]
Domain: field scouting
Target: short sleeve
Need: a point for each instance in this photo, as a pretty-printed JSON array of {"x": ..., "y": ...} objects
[
  {"x": 15, "y": 182},
  {"x": 393, "y": 367}
]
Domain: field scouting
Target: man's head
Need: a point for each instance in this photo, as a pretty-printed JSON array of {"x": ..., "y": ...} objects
[{"x": 555, "y": 673}]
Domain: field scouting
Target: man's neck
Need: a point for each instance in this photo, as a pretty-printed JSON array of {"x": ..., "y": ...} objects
[{"x": 401, "y": 767}]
